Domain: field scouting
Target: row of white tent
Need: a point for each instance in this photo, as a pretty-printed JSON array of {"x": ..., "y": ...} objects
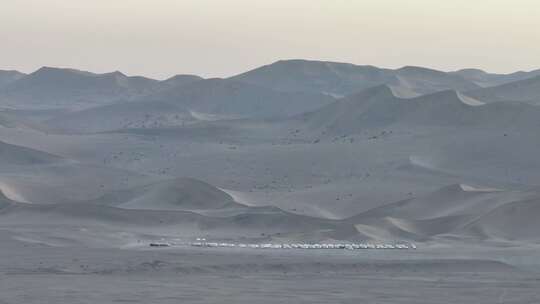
[{"x": 306, "y": 246}]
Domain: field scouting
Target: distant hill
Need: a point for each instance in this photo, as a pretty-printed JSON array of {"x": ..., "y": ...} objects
[
  {"x": 485, "y": 79},
  {"x": 340, "y": 79},
  {"x": 315, "y": 76},
  {"x": 179, "y": 80},
  {"x": 527, "y": 90},
  {"x": 54, "y": 87}
]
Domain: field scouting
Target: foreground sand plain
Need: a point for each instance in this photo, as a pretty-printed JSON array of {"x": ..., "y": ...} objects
[{"x": 39, "y": 273}]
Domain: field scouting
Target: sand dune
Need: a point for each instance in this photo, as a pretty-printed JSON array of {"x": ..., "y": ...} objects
[
  {"x": 469, "y": 100},
  {"x": 7, "y": 77},
  {"x": 254, "y": 223},
  {"x": 53, "y": 87},
  {"x": 315, "y": 76},
  {"x": 455, "y": 210},
  {"x": 485, "y": 79},
  {"x": 527, "y": 90},
  {"x": 515, "y": 221},
  {"x": 229, "y": 97},
  {"x": 177, "y": 194},
  {"x": 396, "y": 229},
  {"x": 17, "y": 155},
  {"x": 455, "y": 200},
  {"x": 120, "y": 116},
  {"x": 202, "y": 100},
  {"x": 378, "y": 107},
  {"x": 340, "y": 79},
  {"x": 34, "y": 176},
  {"x": 4, "y": 200},
  {"x": 413, "y": 81},
  {"x": 69, "y": 182},
  {"x": 179, "y": 80},
  {"x": 8, "y": 121},
  {"x": 8, "y": 192},
  {"x": 440, "y": 166},
  {"x": 186, "y": 206}
]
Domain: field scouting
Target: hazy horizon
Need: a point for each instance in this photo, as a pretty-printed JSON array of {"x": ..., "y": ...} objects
[{"x": 214, "y": 38}]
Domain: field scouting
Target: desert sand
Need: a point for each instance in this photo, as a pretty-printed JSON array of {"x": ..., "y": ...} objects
[{"x": 96, "y": 167}]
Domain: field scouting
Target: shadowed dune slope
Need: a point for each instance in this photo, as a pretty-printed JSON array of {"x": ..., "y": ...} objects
[
  {"x": 17, "y": 155},
  {"x": 4, "y": 201}
]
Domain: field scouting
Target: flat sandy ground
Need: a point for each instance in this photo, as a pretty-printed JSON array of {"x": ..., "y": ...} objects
[{"x": 37, "y": 273}]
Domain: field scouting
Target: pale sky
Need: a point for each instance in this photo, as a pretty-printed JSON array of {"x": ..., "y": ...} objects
[{"x": 217, "y": 38}]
